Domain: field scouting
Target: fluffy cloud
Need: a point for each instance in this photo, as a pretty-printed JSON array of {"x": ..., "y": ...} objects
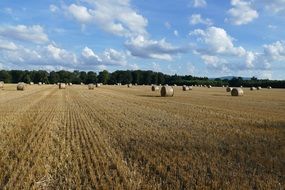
[
  {"x": 60, "y": 56},
  {"x": 80, "y": 13},
  {"x": 145, "y": 48},
  {"x": 116, "y": 17},
  {"x": 197, "y": 19},
  {"x": 53, "y": 8},
  {"x": 199, "y": 3},
  {"x": 55, "y": 57},
  {"x": 216, "y": 49},
  {"x": 241, "y": 13},
  {"x": 217, "y": 41},
  {"x": 6, "y": 45},
  {"x": 33, "y": 33},
  {"x": 275, "y": 51},
  {"x": 108, "y": 57}
]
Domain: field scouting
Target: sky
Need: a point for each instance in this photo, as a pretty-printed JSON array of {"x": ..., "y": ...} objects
[{"x": 212, "y": 38}]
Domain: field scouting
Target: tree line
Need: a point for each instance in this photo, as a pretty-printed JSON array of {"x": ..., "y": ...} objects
[{"x": 125, "y": 77}]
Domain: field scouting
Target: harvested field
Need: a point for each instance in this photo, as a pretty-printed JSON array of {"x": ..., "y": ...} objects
[{"x": 115, "y": 137}]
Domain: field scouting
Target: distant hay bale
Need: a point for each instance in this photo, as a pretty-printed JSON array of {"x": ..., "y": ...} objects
[
  {"x": 81, "y": 83},
  {"x": 21, "y": 86},
  {"x": 190, "y": 87},
  {"x": 98, "y": 85},
  {"x": 91, "y": 86},
  {"x": 1, "y": 84},
  {"x": 31, "y": 83},
  {"x": 70, "y": 84},
  {"x": 223, "y": 86},
  {"x": 259, "y": 88},
  {"x": 175, "y": 85},
  {"x": 229, "y": 89},
  {"x": 237, "y": 92},
  {"x": 185, "y": 88},
  {"x": 269, "y": 87},
  {"x": 209, "y": 86},
  {"x": 40, "y": 83},
  {"x": 241, "y": 86},
  {"x": 62, "y": 86},
  {"x": 154, "y": 88},
  {"x": 166, "y": 91},
  {"x": 129, "y": 85},
  {"x": 252, "y": 88}
]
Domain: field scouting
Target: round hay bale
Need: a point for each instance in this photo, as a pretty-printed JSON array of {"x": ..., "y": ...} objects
[
  {"x": 229, "y": 89},
  {"x": 129, "y": 85},
  {"x": 190, "y": 87},
  {"x": 70, "y": 84},
  {"x": 21, "y": 86},
  {"x": 91, "y": 86},
  {"x": 269, "y": 87},
  {"x": 40, "y": 83},
  {"x": 31, "y": 83},
  {"x": 62, "y": 86},
  {"x": 1, "y": 84},
  {"x": 209, "y": 86},
  {"x": 154, "y": 88},
  {"x": 98, "y": 85},
  {"x": 237, "y": 92},
  {"x": 252, "y": 88},
  {"x": 166, "y": 91},
  {"x": 259, "y": 88},
  {"x": 185, "y": 88},
  {"x": 81, "y": 83}
]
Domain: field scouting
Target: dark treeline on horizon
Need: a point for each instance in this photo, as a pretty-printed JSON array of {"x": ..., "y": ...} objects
[{"x": 125, "y": 77}]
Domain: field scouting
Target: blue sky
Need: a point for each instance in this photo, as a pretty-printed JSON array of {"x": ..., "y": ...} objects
[{"x": 198, "y": 37}]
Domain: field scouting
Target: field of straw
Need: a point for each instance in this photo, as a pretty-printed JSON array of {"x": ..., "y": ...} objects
[{"x": 115, "y": 137}]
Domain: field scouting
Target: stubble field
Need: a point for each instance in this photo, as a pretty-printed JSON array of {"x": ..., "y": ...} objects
[{"x": 116, "y": 137}]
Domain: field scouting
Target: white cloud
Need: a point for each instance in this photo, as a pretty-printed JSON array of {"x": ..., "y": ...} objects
[
  {"x": 218, "y": 41},
  {"x": 275, "y": 6},
  {"x": 145, "y": 48},
  {"x": 176, "y": 33},
  {"x": 34, "y": 33},
  {"x": 116, "y": 17},
  {"x": 199, "y": 3},
  {"x": 6, "y": 45},
  {"x": 167, "y": 25},
  {"x": 197, "y": 19},
  {"x": 216, "y": 48},
  {"x": 61, "y": 55},
  {"x": 53, "y": 8},
  {"x": 108, "y": 57},
  {"x": 80, "y": 13},
  {"x": 241, "y": 12},
  {"x": 275, "y": 51}
]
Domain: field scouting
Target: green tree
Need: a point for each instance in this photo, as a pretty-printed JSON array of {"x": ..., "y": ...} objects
[
  {"x": 103, "y": 77},
  {"x": 54, "y": 77},
  {"x": 91, "y": 77},
  {"x": 5, "y": 76}
]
